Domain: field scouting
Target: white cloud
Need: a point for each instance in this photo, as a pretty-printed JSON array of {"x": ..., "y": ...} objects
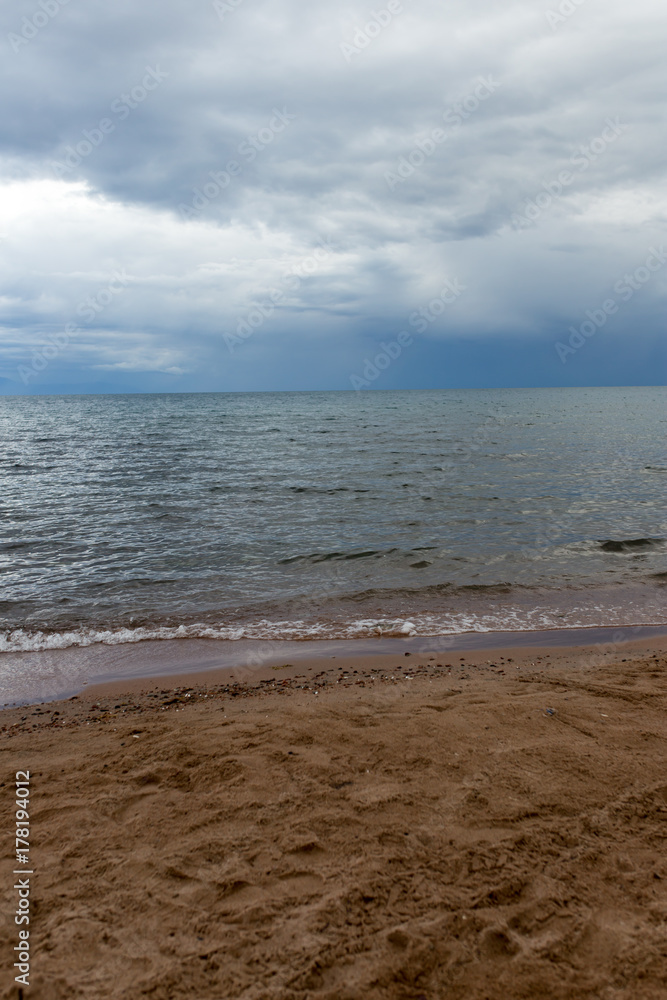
[{"x": 321, "y": 176}]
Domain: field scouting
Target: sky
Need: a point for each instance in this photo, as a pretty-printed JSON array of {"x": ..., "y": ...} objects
[{"x": 250, "y": 195}]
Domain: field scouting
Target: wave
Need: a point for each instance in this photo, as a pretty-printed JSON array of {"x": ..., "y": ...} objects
[
  {"x": 531, "y": 550},
  {"x": 448, "y": 590},
  {"x": 318, "y": 557},
  {"x": 23, "y": 640},
  {"x": 630, "y": 544},
  {"x": 508, "y": 618}
]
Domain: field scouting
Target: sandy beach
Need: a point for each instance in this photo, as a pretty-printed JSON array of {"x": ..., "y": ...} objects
[{"x": 479, "y": 826}]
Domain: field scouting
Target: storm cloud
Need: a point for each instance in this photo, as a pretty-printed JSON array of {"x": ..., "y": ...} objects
[{"x": 257, "y": 194}]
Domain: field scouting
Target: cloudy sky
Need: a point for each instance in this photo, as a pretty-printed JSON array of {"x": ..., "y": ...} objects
[{"x": 277, "y": 194}]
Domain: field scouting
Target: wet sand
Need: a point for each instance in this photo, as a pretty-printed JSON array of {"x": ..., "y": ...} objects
[
  {"x": 55, "y": 674},
  {"x": 485, "y": 824}
]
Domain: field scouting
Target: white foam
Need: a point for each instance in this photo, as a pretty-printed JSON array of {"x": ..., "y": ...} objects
[
  {"x": 505, "y": 619},
  {"x": 21, "y": 640}
]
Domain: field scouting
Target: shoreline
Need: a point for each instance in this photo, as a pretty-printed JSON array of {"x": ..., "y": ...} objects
[
  {"x": 50, "y": 675},
  {"x": 319, "y": 672},
  {"x": 488, "y": 824}
]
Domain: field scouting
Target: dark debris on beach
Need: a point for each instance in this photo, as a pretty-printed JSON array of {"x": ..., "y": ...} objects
[{"x": 75, "y": 711}]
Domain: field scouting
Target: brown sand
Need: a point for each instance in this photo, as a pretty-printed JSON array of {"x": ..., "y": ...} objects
[{"x": 493, "y": 829}]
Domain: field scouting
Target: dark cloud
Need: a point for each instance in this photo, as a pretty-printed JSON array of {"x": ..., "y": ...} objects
[{"x": 207, "y": 149}]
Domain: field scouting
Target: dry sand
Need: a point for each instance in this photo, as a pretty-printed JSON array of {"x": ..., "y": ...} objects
[{"x": 492, "y": 829}]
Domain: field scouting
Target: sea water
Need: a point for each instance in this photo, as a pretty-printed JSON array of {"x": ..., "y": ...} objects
[{"x": 329, "y": 514}]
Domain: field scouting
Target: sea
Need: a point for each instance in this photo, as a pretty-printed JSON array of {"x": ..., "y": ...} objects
[{"x": 329, "y": 515}]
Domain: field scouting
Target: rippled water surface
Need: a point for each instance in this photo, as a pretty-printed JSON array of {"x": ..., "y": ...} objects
[{"x": 329, "y": 514}]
